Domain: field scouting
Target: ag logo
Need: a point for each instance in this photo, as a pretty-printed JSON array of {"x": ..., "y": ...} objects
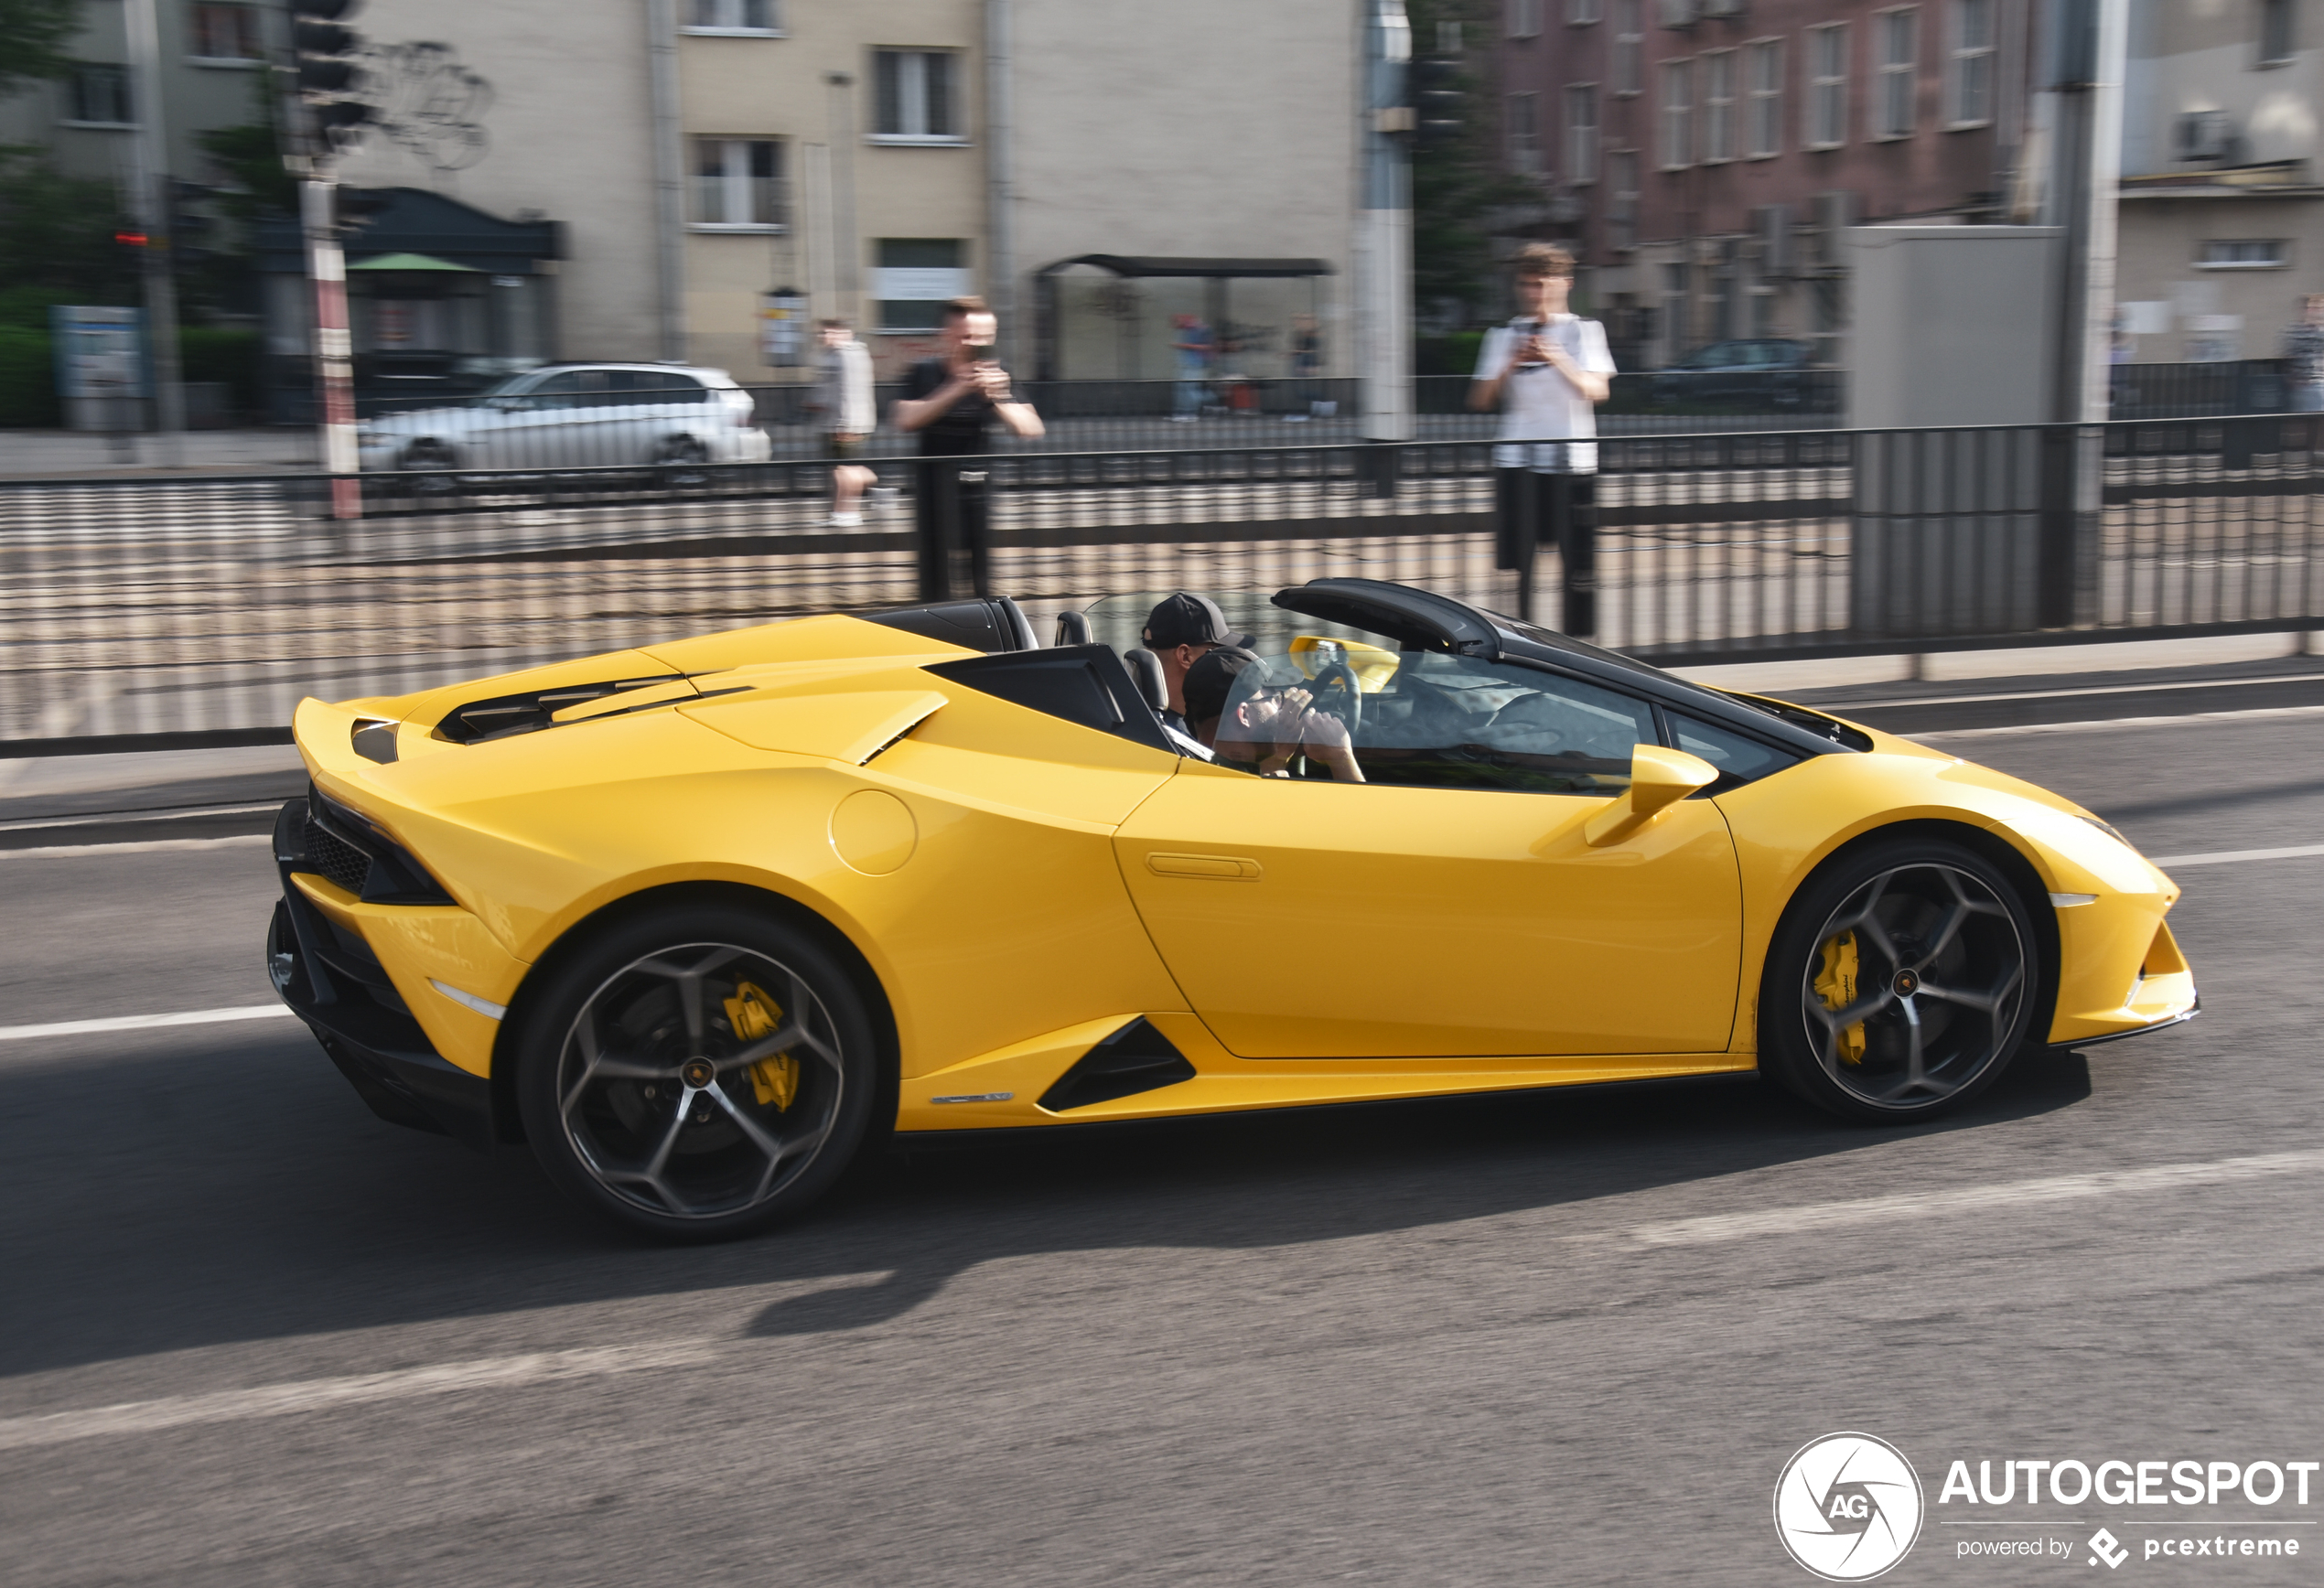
[{"x": 1848, "y": 1506}]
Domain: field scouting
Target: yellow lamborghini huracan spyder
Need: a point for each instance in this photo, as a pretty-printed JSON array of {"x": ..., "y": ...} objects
[{"x": 703, "y": 922}]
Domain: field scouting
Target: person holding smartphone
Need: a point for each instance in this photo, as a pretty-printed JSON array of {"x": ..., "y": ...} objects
[
  {"x": 951, "y": 402},
  {"x": 1547, "y": 371}
]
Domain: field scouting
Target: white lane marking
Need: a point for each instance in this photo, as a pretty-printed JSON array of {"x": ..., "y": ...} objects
[
  {"x": 116, "y": 817},
  {"x": 318, "y": 1394},
  {"x": 1721, "y": 1227},
  {"x": 2050, "y": 694},
  {"x": 2255, "y": 715},
  {"x": 143, "y": 1022},
  {"x": 147, "y": 846},
  {"x": 2229, "y": 857}
]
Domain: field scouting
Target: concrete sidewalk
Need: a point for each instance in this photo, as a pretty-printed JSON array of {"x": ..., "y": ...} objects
[
  {"x": 80, "y": 455},
  {"x": 102, "y": 799}
]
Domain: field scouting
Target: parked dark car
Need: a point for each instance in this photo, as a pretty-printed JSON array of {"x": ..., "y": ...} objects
[{"x": 1764, "y": 370}]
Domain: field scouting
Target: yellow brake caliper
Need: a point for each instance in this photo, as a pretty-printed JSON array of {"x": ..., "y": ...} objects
[
  {"x": 1836, "y": 985},
  {"x": 752, "y": 1014}
]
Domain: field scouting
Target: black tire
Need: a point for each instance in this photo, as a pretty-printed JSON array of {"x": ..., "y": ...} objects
[
  {"x": 1930, "y": 946},
  {"x": 427, "y": 466},
  {"x": 691, "y": 1138},
  {"x": 682, "y": 462}
]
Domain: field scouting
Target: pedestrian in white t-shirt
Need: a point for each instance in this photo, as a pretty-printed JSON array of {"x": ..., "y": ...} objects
[{"x": 1547, "y": 371}]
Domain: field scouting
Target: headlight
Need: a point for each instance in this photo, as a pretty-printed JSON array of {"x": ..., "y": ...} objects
[{"x": 2108, "y": 829}]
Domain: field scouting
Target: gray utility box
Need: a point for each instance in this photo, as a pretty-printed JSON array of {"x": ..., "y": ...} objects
[{"x": 1949, "y": 326}]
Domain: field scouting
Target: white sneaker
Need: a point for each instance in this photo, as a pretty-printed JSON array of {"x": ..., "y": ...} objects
[{"x": 846, "y": 521}]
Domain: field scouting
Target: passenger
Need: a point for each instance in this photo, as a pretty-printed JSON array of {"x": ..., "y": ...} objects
[
  {"x": 1265, "y": 731},
  {"x": 1181, "y": 626},
  {"x": 1208, "y": 683}
]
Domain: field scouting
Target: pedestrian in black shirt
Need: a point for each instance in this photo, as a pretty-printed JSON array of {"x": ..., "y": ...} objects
[{"x": 951, "y": 402}]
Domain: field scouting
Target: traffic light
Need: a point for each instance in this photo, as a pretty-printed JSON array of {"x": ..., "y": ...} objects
[
  {"x": 328, "y": 69},
  {"x": 1439, "y": 100}
]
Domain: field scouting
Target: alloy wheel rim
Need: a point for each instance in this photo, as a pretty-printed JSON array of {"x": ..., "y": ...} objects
[
  {"x": 1915, "y": 986},
  {"x": 700, "y": 1080}
]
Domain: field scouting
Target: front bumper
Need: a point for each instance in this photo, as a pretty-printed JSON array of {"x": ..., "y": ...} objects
[{"x": 331, "y": 979}]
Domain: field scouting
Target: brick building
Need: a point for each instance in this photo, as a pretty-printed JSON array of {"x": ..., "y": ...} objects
[{"x": 1697, "y": 154}]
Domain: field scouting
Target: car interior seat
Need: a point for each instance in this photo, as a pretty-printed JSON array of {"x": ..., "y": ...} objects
[{"x": 1145, "y": 670}]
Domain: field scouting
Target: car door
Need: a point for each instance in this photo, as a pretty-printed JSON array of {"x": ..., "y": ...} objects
[
  {"x": 538, "y": 433},
  {"x": 1451, "y": 904}
]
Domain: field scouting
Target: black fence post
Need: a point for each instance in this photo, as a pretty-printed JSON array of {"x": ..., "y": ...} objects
[
  {"x": 1379, "y": 463},
  {"x": 1516, "y": 520},
  {"x": 1573, "y": 506},
  {"x": 2069, "y": 473},
  {"x": 937, "y": 504}
]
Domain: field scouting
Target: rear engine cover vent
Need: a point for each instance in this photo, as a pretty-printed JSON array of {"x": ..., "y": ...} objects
[{"x": 1134, "y": 1059}]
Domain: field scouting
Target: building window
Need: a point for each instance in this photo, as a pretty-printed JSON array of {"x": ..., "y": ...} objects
[
  {"x": 915, "y": 278},
  {"x": 738, "y": 182},
  {"x": 1582, "y": 12},
  {"x": 1621, "y": 213},
  {"x": 1630, "y": 47},
  {"x": 1718, "y": 105},
  {"x": 1971, "y": 68},
  {"x": 1581, "y": 133},
  {"x": 2276, "y": 40},
  {"x": 227, "y": 33},
  {"x": 1899, "y": 33},
  {"x": 1448, "y": 38},
  {"x": 1678, "y": 114},
  {"x": 1827, "y": 86},
  {"x": 1524, "y": 18},
  {"x": 1763, "y": 76},
  {"x": 918, "y": 94},
  {"x": 1524, "y": 134},
  {"x": 101, "y": 95},
  {"x": 733, "y": 17},
  {"x": 2243, "y": 254}
]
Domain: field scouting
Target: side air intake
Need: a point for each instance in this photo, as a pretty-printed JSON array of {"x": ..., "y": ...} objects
[{"x": 1134, "y": 1059}]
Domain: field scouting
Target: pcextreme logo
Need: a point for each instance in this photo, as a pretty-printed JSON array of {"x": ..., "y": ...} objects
[{"x": 1848, "y": 1506}]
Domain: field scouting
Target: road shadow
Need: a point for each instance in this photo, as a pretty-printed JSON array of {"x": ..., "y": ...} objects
[{"x": 201, "y": 1190}]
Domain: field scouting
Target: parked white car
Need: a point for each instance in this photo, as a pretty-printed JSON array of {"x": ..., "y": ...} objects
[{"x": 575, "y": 416}]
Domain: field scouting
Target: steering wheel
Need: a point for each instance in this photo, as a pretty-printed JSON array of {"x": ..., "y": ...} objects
[{"x": 1335, "y": 690}]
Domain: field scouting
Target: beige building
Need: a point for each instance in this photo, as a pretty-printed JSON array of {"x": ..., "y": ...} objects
[
  {"x": 2222, "y": 208},
  {"x": 837, "y": 150}
]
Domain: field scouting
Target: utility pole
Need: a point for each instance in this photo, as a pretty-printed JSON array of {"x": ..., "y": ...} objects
[
  {"x": 2084, "y": 55},
  {"x": 326, "y": 67},
  {"x": 156, "y": 264},
  {"x": 1383, "y": 231},
  {"x": 669, "y": 178}
]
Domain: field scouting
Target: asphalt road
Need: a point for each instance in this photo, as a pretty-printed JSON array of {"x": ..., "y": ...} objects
[{"x": 1472, "y": 1342}]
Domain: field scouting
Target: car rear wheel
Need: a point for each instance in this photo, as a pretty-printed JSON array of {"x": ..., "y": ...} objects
[
  {"x": 428, "y": 465},
  {"x": 1900, "y": 983},
  {"x": 697, "y": 1073},
  {"x": 683, "y": 461}
]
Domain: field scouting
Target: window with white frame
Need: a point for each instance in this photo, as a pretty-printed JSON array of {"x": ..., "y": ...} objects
[
  {"x": 100, "y": 94},
  {"x": 2275, "y": 32},
  {"x": 1678, "y": 114},
  {"x": 1524, "y": 18},
  {"x": 1523, "y": 127},
  {"x": 2243, "y": 254},
  {"x": 1630, "y": 47},
  {"x": 1718, "y": 105},
  {"x": 1969, "y": 73},
  {"x": 1898, "y": 34},
  {"x": 916, "y": 95},
  {"x": 1763, "y": 80},
  {"x": 915, "y": 278},
  {"x": 733, "y": 17},
  {"x": 1582, "y": 12},
  {"x": 227, "y": 33},
  {"x": 1581, "y": 131},
  {"x": 1621, "y": 213},
  {"x": 738, "y": 184},
  {"x": 1827, "y": 86}
]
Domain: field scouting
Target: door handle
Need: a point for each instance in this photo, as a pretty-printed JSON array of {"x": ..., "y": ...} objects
[{"x": 1216, "y": 867}]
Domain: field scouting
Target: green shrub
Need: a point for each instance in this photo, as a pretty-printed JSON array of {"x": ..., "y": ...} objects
[{"x": 27, "y": 378}]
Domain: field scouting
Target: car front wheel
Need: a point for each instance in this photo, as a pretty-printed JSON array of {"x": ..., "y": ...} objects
[
  {"x": 697, "y": 1073},
  {"x": 1900, "y": 983}
]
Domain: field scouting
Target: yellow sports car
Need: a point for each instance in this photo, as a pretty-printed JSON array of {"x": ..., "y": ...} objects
[{"x": 703, "y": 922}]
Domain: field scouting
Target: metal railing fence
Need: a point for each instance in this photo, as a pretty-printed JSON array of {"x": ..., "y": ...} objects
[{"x": 207, "y": 607}]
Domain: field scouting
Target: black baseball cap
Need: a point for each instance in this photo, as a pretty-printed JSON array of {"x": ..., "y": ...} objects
[
  {"x": 1184, "y": 618},
  {"x": 1211, "y": 679}
]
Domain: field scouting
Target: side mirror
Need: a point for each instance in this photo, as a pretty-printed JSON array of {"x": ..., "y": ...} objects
[{"x": 1658, "y": 778}]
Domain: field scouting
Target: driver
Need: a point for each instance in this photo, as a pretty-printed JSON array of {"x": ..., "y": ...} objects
[{"x": 1180, "y": 628}]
